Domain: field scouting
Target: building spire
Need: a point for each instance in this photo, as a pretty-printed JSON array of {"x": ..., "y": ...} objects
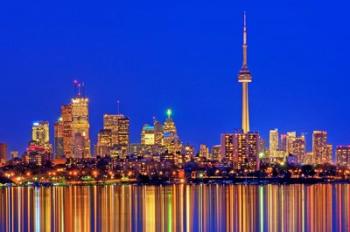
[{"x": 245, "y": 45}]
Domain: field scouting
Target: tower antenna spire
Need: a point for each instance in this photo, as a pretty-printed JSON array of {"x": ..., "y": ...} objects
[
  {"x": 245, "y": 45},
  {"x": 118, "y": 106},
  {"x": 245, "y": 78}
]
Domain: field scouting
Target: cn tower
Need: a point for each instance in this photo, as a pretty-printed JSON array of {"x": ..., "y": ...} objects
[{"x": 245, "y": 78}]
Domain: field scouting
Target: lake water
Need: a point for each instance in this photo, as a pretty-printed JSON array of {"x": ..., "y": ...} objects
[{"x": 323, "y": 207}]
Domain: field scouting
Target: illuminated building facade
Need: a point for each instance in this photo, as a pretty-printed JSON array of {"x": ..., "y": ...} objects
[
  {"x": 245, "y": 78},
  {"x": 104, "y": 143},
  {"x": 81, "y": 127},
  {"x": 322, "y": 153},
  {"x": 291, "y": 136},
  {"x": 228, "y": 142},
  {"x": 14, "y": 154},
  {"x": 3, "y": 153},
  {"x": 158, "y": 132},
  {"x": 298, "y": 148},
  {"x": 247, "y": 151},
  {"x": 148, "y": 135},
  {"x": 67, "y": 118},
  {"x": 41, "y": 133},
  {"x": 119, "y": 126},
  {"x": 343, "y": 155},
  {"x": 59, "y": 139},
  {"x": 273, "y": 141},
  {"x": 40, "y": 144},
  {"x": 203, "y": 151},
  {"x": 170, "y": 137},
  {"x": 283, "y": 142},
  {"x": 188, "y": 152},
  {"x": 215, "y": 153},
  {"x": 76, "y": 128}
]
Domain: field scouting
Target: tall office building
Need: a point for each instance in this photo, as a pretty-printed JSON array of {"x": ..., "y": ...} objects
[
  {"x": 81, "y": 127},
  {"x": 3, "y": 153},
  {"x": 343, "y": 155},
  {"x": 67, "y": 118},
  {"x": 58, "y": 139},
  {"x": 245, "y": 78},
  {"x": 215, "y": 153},
  {"x": 41, "y": 133},
  {"x": 273, "y": 141},
  {"x": 104, "y": 143},
  {"x": 76, "y": 126},
  {"x": 320, "y": 149},
  {"x": 158, "y": 132},
  {"x": 119, "y": 125},
  {"x": 170, "y": 137},
  {"x": 148, "y": 135},
  {"x": 291, "y": 136},
  {"x": 283, "y": 142},
  {"x": 203, "y": 151}
]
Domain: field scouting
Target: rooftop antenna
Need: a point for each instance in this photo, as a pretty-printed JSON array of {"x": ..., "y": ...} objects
[
  {"x": 118, "y": 106},
  {"x": 82, "y": 89},
  {"x": 77, "y": 88}
]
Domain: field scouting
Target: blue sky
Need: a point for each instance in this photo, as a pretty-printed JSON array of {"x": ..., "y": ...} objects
[{"x": 152, "y": 55}]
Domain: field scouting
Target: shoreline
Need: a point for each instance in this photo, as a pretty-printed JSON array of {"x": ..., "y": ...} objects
[{"x": 227, "y": 181}]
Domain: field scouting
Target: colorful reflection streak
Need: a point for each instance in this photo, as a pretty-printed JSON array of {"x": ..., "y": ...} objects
[{"x": 176, "y": 208}]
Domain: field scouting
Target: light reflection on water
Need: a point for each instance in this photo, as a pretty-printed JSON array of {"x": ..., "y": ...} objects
[{"x": 176, "y": 208}]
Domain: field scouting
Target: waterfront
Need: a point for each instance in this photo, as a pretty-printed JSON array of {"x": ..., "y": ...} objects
[{"x": 321, "y": 207}]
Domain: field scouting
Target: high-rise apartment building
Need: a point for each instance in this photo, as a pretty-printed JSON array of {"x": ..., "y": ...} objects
[
  {"x": 322, "y": 152},
  {"x": 298, "y": 148},
  {"x": 247, "y": 151},
  {"x": 228, "y": 146},
  {"x": 343, "y": 155},
  {"x": 273, "y": 141}
]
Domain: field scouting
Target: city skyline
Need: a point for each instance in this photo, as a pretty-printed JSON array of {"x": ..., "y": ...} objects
[{"x": 207, "y": 130}]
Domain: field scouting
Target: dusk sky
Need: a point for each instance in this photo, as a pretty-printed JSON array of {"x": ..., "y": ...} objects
[{"x": 152, "y": 55}]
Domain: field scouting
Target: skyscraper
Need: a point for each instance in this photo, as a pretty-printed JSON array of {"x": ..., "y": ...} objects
[
  {"x": 298, "y": 148},
  {"x": 3, "y": 152},
  {"x": 104, "y": 143},
  {"x": 320, "y": 149},
  {"x": 58, "y": 138},
  {"x": 291, "y": 136},
  {"x": 40, "y": 132},
  {"x": 247, "y": 151},
  {"x": 81, "y": 127},
  {"x": 228, "y": 145},
  {"x": 170, "y": 137},
  {"x": 273, "y": 141},
  {"x": 76, "y": 126},
  {"x": 158, "y": 132},
  {"x": 343, "y": 156},
  {"x": 245, "y": 78},
  {"x": 67, "y": 118},
  {"x": 203, "y": 151},
  {"x": 148, "y": 135},
  {"x": 119, "y": 125}
]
